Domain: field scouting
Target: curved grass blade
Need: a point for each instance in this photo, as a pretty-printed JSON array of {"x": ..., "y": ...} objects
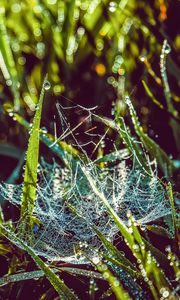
[
  {"x": 68, "y": 26},
  {"x": 10, "y": 150},
  {"x": 64, "y": 292},
  {"x": 7, "y": 63},
  {"x": 39, "y": 273},
  {"x": 115, "y": 254},
  {"x": 113, "y": 156},
  {"x": 30, "y": 175},
  {"x": 150, "y": 94},
  {"x": 114, "y": 283},
  {"x": 174, "y": 222}
]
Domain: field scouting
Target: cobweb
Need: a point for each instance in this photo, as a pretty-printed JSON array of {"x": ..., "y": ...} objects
[{"x": 67, "y": 209}]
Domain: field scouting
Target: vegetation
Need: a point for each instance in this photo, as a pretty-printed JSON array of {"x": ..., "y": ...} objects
[{"x": 89, "y": 149}]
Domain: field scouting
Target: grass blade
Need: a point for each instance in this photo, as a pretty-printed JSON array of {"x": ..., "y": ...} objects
[
  {"x": 30, "y": 175},
  {"x": 116, "y": 255},
  {"x": 7, "y": 63},
  {"x": 174, "y": 222},
  {"x": 39, "y": 273},
  {"x": 114, "y": 283}
]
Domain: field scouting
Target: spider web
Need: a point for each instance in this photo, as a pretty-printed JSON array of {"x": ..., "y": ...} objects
[{"x": 66, "y": 207}]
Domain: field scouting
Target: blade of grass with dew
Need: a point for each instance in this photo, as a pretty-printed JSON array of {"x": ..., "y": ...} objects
[
  {"x": 166, "y": 49},
  {"x": 152, "y": 271},
  {"x": 30, "y": 174},
  {"x": 7, "y": 63},
  {"x": 116, "y": 254},
  {"x": 113, "y": 281},
  {"x": 4, "y": 249},
  {"x": 115, "y": 262},
  {"x": 133, "y": 147},
  {"x": 39, "y": 273},
  {"x": 173, "y": 213},
  {"x": 64, "y": 292},
  {"x": 114, "y": 156},
  {"x": 68, "y": 28},
  {"x": 78, "y": 271},
  {"x": 157, "y": 254},
  {"x": 154, "y": 149},
  {"x": 150, "y": 94},
  {"x": 159, "y": 104},
  {"x": 158, "y": 230}
]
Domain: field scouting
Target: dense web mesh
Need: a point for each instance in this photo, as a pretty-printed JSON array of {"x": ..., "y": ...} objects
[{"x": 66, "y": 208}]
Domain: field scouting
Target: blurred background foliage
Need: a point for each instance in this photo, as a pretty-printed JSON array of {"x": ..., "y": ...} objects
[{"x": 94, "y": 53}]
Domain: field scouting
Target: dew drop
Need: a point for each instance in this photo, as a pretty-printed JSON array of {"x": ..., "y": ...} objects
[
  {"x": 44, "y": 130},
  {"x": 142, "y": 58},
  {"x": 165, "y": 294},
  {"x": 116, "y": 283},
  {"x": 47, "y": 85},
  {"x": 9, "y": 82},
  {"x": 96, "y": 260},
  {"x": 106, "y": 275},
  {"x": 167, "y": 48}
]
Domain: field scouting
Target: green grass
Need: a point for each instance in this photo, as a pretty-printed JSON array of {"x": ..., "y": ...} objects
[{"x": 90, "y": 50}]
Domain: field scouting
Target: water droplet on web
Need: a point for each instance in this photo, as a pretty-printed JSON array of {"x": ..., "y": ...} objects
[
  {"x": 96, "y": 260},
  {"x": 167, "y": 48},
  {"x": 47, "y": 85},
  {"x": 164, "y": 292}
]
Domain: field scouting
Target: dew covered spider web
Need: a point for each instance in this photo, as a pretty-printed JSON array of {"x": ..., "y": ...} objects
[{"x": 66, "y": 208}]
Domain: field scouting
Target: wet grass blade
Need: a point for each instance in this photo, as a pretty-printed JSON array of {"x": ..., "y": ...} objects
[
  {"x": 150, "y": 94},
  {"x": 171, "y": 198},
  {"x": 30, "y": 174},
  {"x": 114, "y": 283},
  {"x": 7, "y": 63},
  {"x": 39, "y": 273},
  {"x": 113, "y": 156},
  {"x": 116, "y": 255}
]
